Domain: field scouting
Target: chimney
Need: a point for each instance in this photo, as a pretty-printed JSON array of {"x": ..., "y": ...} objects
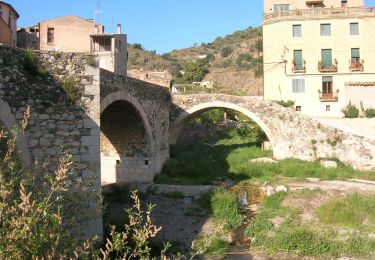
[{"x": 119, "y": 28}]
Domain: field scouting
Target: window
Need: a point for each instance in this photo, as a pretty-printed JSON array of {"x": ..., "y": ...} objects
[
  {"x": 50, "y": 35},
  {"x": 104, "y": 44},
  {"x": 344, "y": 3},
  {"x": 298, "y": 62},
  {"x": 298, "y": 108},
  {"x": 354, "y": 29},
  {"x": 355, "y": 55},
  {"x": 328, "y": 108},
  {"x": 325, "y": 29},
  {"x": 327, "y": 58},
  {"x": 280, "y": 7},
  {"x": 298, "y": 85},
  {"x": 327, "y": 88},
  {"x": 297, "y": 30}
]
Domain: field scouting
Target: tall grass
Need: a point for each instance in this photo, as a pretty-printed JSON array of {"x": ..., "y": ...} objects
[{"x": 352, "y": 211}]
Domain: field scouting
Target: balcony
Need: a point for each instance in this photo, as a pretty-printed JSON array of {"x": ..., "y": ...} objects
[
  {"x": 297, "y": 69},
  {"x": 325, "y": 69},
  {"x": 328, "y": 97},
  {"x": 319, "y": 13},
  {"x": 356, "y": 65}
]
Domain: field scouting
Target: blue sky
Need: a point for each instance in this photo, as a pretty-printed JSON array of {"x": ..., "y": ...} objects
[{"x": 161, "y": 25}]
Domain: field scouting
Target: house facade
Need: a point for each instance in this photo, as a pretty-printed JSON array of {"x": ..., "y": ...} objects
[
  {"x": 8, "y": 24},
  {"x": 319, "y": 53},
  {"x": 66, "y": 34},
  {"x": 76, "y": 34},
  {"x": 161, "y": 78}
]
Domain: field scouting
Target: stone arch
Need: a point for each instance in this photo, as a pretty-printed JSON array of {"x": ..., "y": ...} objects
[
  {"x": 9, "y": 122},
  {"x": 179, "y": 123},
  {"x": 141, "y": 169}
]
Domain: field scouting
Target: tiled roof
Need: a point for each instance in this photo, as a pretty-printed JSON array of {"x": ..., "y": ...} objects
[{"x": 361, "y": 84}]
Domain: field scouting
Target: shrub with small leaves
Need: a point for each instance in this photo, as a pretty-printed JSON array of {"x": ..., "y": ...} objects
[
  {"x": 71, "y": 89},
  {"x": 32, "y": 66},
  {"x": 370, "y": 113},
  {"x": 350, "y": 111},
  {"x": 288, "y": 103}
]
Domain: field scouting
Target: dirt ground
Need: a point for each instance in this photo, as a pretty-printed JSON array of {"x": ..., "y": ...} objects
[{"x": 182, "y": 220}]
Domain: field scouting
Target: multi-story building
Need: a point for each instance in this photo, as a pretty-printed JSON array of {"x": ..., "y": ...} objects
[
  {"x": 319, "y": 53},
  {"x": 58, "y": 34},
  {"x": 8, "y": 24},
  {"x": 76, "y": 34}
]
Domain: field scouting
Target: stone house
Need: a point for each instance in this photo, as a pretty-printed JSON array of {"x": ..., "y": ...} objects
[
  {"x": 8, "y": 24},
  {"x": 161, "y": 78},
  {"x": 58, "y": 34},
  {"x": 320, "y": 54}
]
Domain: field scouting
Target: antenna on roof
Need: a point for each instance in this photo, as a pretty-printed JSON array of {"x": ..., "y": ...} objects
[{"x": 97, "y": 13}]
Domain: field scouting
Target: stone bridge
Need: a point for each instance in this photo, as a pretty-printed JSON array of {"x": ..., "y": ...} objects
[
  {"x": 291, "y": 134},
  {"x": 118, "y": 129}
]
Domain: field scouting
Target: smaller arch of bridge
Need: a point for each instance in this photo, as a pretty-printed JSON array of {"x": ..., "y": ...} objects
[
  {"x": 124, "y": 96},
  {"x": 179, "y": 123},
  {"x": 10, "y": 124}
]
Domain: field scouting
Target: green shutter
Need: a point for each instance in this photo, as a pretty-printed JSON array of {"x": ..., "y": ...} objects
[
  {"x": 327, "y": 79},
  {"x": 298, "y": 59},
  {"x": 327, "y": 58},
  {"x": 355, "y": 53}
]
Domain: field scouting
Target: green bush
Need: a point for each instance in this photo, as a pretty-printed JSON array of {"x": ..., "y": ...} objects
[
  {"x": 72, "y": 91},
  {"x": 350, "y": 111},
  {"x": 90, "y": 60},
  {"x": 195, "y": 70},
  {"x": 288, "y": 103},
  {"x": 31, "y": 64},
  {"x": 138, "y": 46},
  {"x": 225, "y": 209},
  {"x": 226, "y": 51},
  {"x": 370, "y": 113}
]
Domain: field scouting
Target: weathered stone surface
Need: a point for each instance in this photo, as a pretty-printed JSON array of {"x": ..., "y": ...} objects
[
  {"x": 263, "y": 160},
  {"x": 291, "y": 134},
  {"x": 328, "y": 164}
]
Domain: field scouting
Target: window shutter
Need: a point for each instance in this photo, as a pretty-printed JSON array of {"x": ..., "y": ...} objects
[
  {"x": 327, "y": 58},
  {"x": 325, "y": 29},
  {"x": 327, "y": 79},
  {"x": 298, "y": 85},
  {"x": 298, "y": 58},
  {"x": 297, "y": 32},
  {"x": 355, "y": 53},
  {"x": 354, "y": 30}
]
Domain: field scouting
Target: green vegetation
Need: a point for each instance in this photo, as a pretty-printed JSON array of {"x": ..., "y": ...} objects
[
  {"x": 351, "y": 211},
  {"x": 72, "y": 90},
  {"x": 226, "y": 51},
  {"x": 223, "y": 206},
  {"x": 174, "y": 194},
  {"x": 350, "y": 111},
  {"x": 90, "y": 60},
  {"x": 32, "y": 66},
  {"x": 293, "y": 236},
  {"x": 370, "y": 113},
  {"x": 288, "y": 103},
  {"x": 138, "y": 46},
  {"x": 195, "y": 70}
]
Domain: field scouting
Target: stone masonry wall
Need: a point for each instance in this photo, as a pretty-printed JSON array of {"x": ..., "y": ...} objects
[
  {"x": 152, "y": 103},
  {"x": 290, "y": 133},
  {"x": 55, "y": 120}
]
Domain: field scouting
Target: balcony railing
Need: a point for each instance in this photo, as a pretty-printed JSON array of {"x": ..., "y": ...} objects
[
  {"x": 320, "y": 13},
  {"x": 328, "y": 97},
  {"x": 323, "y": 68},
  {"x": 356, "y": 65},
  {"x": 297, "y": 69}
]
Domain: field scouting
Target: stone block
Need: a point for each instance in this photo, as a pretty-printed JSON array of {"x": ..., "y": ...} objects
[{"x": 328, "y": 164}]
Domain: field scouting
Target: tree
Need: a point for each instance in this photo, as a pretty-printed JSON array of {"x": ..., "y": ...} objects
[{"x": 195, "y": 71}]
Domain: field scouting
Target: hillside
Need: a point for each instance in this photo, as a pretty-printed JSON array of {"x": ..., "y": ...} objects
[{"x": 233, "y": 62}]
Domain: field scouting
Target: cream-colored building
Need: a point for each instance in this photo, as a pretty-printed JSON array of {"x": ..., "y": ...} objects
[
  {"x": 8, "y": 24},
  {"x": 319, "y": 53}
]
